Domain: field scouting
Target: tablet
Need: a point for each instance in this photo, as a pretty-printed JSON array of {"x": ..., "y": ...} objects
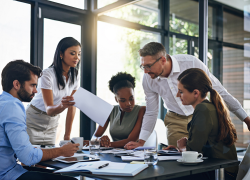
[
  {"x": 77, "y": 159},
  {"x": 168, "y": 153},
  {"x": 86, "y": 148}
]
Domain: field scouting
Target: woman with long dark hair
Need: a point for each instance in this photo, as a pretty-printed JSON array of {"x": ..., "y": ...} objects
[
  {"x": 211, "y": 130},
  {"x": 55, "y": 89}
]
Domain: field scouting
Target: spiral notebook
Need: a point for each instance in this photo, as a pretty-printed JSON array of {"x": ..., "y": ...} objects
[{"x": 113, "y": 168}]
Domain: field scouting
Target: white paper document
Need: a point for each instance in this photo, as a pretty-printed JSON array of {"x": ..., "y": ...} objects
[{"x": 94, "y": 107}]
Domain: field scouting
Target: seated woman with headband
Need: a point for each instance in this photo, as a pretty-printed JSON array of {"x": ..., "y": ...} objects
[{"x": 126, "y": 118}]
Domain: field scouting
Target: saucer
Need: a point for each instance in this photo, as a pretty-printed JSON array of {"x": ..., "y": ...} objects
[{"x": 190, "y": 163}]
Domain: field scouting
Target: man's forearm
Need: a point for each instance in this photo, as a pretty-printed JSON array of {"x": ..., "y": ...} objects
[
  {"x": 51, "y": 153},
  {"x": 141, "y": 142}
]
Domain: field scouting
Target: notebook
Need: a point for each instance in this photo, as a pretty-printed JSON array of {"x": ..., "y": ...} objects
[{"x": 113, "y": 168}]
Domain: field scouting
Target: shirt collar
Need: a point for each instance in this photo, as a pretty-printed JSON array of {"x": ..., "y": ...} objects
[
  {"x": 175, "y": 67},
  {"x": 7, "y": 94}
]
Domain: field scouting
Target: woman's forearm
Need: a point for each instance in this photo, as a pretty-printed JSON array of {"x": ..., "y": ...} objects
[
  {"x": 121, "y": 143},
  {"x": 69, "y": 121},
  {"x": 54, "y": 110}
]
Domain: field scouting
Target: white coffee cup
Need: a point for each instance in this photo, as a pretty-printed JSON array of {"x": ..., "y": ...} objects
[
  {"x": 61, "y": 143},
  {"x": 80, "y": 141},
  {"x": 191, "y": 156}
]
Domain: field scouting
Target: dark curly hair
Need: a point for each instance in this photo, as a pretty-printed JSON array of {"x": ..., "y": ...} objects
[{"x": 121, "y": 80}]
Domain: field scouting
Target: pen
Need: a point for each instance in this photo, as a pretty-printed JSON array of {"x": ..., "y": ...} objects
[
  {"x": 72, "y": 141},
  {"x": 104, "y": 165}
]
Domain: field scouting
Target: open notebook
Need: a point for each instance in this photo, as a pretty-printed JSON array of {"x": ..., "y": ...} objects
[{"x": 113, "y": 168}]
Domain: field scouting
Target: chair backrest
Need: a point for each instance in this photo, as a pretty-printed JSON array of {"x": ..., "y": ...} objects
[
  {"x": 247, "y": 176},
  {"x": 161, "y": 131},
  {"x": 244, "y": 166},
  {"x": 152, "y": 140}
]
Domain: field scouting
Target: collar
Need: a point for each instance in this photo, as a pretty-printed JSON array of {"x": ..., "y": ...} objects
[
  {"x": 175, "y": 67},
  {"x": 7, "y": 94}
]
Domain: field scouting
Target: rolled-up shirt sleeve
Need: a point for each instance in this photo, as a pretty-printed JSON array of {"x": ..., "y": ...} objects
[
  {"x": 15, "y": 128},
  {"x": 233, "y": 104},
  {"x": 152, "y": 108},
  {"x": 46, "y": 80}
]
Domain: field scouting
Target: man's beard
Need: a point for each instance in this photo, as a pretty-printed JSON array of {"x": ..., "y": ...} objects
[
  {"x": 24, "y": 95},
  {"x": 156, "y": 75}
]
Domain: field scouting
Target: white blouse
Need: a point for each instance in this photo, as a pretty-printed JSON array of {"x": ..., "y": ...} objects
[
  {"x": 48, "y": 81},
  {"x": 167, "y": 89}
]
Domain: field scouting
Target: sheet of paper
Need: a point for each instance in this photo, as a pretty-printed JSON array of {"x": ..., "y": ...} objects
[
  {"x": 116, "y": 165},
  {"x": 117, "y": 151},
  {"x": 164, "y": 158},
  {"x": 92, "y": 106},
  {"x": 132, "y": 158},
  {"x": 83, "y": 166}
]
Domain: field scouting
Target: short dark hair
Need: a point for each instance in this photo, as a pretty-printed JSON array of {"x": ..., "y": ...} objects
[
  {"x": 121, "y": 80},
  {"x": 64, "y": 44},
  {"x": 18, "y": 70}
]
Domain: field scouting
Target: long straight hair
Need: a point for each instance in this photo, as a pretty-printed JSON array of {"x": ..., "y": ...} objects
[
  {"x": 195, "y": 78},
  {"x": 64, "y": 44}
]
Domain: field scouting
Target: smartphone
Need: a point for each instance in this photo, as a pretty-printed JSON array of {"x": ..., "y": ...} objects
[{"x": 162, "y": 144}]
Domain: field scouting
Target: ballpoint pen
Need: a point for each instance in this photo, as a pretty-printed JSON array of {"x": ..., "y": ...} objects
[
  {"x": 72, "y": 141},
  {"x": 104, "y": 165}
]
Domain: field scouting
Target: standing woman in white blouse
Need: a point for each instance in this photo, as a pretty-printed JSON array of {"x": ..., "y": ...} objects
[{"x": 55, "y": 89}]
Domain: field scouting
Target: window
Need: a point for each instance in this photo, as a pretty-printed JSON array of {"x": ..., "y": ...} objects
[
  {"x": 102, "y": 3},
  {"x": 184, "y": 17},
  {"x": 145, "y": 12},
  {"x": 14, "y": 32},
  {"x": 236, "y": 80},
  {"x": 117, "y": 50},
  {"x": 177, "y": 46},
  {"x": 73, "y": 3}
]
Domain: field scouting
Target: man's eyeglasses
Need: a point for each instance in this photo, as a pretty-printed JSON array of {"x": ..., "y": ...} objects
[{"x": 148, "y": 67}]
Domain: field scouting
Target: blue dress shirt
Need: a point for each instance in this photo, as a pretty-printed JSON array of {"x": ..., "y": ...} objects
[{"x": 14, "y": 140}]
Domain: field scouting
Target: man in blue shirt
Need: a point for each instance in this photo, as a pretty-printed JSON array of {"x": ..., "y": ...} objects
[{"x": 19, "y": 81}]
